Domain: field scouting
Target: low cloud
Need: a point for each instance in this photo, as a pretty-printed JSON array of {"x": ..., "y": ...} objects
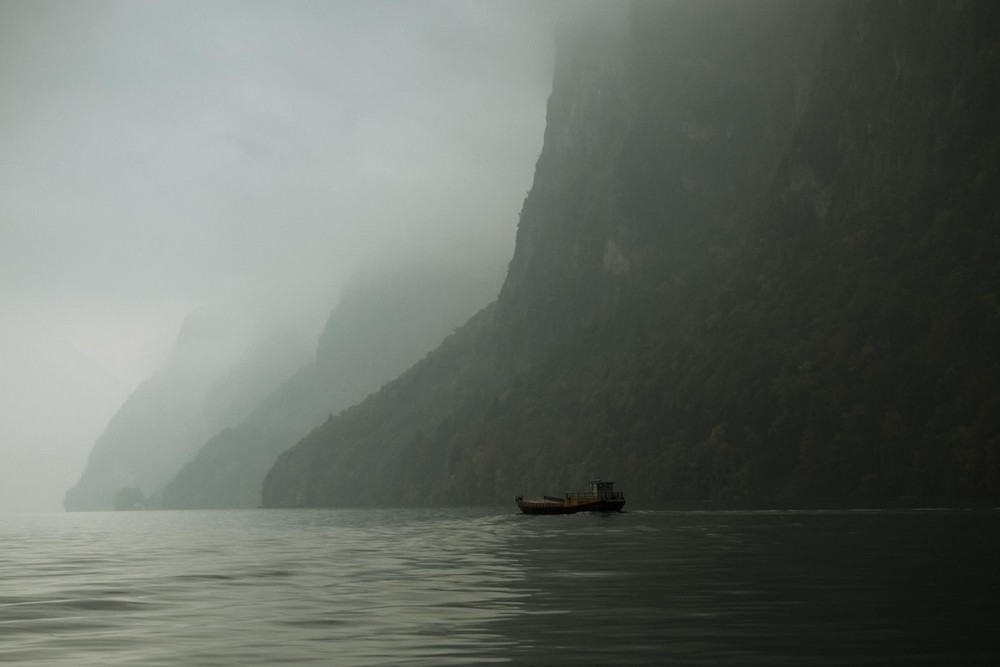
[{"x": 161, "y": 156}]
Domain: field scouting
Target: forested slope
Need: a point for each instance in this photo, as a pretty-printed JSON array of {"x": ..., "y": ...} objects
[{"x": 759, "y": 259}]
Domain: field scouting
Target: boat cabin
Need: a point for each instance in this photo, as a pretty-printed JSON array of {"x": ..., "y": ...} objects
[
  {"x": 602, "y": 489},
  {"x": 598, "y": 489}
]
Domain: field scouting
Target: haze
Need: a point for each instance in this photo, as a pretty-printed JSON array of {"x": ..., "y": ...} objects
[{"x": 156, "y": 157}]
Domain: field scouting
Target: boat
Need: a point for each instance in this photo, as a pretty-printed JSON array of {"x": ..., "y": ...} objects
[{"x": 601, "y": 497}]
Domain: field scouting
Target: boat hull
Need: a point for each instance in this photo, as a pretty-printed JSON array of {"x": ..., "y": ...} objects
[{"x": 547, "y": 506}]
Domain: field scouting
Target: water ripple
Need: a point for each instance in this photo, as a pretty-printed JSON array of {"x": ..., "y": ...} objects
[{"x": 433, "y": 587}]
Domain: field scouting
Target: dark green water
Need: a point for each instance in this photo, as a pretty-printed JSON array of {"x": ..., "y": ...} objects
[{"x": 431, "y": 587}]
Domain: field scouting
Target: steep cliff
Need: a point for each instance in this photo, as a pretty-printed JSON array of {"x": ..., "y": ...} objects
[
  {"x": 385, "y": 322},
  {"x": 759, "y": 259}
]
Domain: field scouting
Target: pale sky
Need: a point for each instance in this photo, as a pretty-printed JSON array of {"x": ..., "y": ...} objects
[{"x": 159, "y": 156}]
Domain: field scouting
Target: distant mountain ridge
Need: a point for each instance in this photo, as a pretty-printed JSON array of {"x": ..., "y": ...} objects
[
  {"x": 759, "y": 259},
  {"x": 202, "y": 432},
  {"x": 211, "y": 381},
  {"x": 385, "y": 322}
]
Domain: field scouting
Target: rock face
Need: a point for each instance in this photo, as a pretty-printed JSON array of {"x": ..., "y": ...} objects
[
  {"x": 206, "y": 385},
  {"x": 760, "y": 259},
  {"x": 384, "y": 324}
]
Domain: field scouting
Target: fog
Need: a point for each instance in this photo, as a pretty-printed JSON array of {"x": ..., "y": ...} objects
[{"x": 158, "y": 157}]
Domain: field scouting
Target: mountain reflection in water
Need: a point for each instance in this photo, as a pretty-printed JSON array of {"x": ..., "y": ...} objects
[{"x": 464, "y": 586}]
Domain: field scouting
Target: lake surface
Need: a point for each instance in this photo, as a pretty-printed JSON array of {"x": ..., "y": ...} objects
[{"x": 468, "y": 586}]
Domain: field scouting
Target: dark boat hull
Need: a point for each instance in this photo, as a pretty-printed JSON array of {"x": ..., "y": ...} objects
[{"x": 546, "y": 506}]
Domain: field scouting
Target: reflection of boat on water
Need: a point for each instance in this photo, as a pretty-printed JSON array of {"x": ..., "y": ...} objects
[{"x": 601, "y": 497}]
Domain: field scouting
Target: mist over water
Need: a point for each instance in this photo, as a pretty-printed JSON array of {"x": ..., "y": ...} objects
[
  {"x": 465, "y": 586},
  {"x": 240, "y": 157}
]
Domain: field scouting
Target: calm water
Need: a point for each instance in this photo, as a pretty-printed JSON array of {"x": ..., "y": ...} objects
[{"x": 431, "y": 587}]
